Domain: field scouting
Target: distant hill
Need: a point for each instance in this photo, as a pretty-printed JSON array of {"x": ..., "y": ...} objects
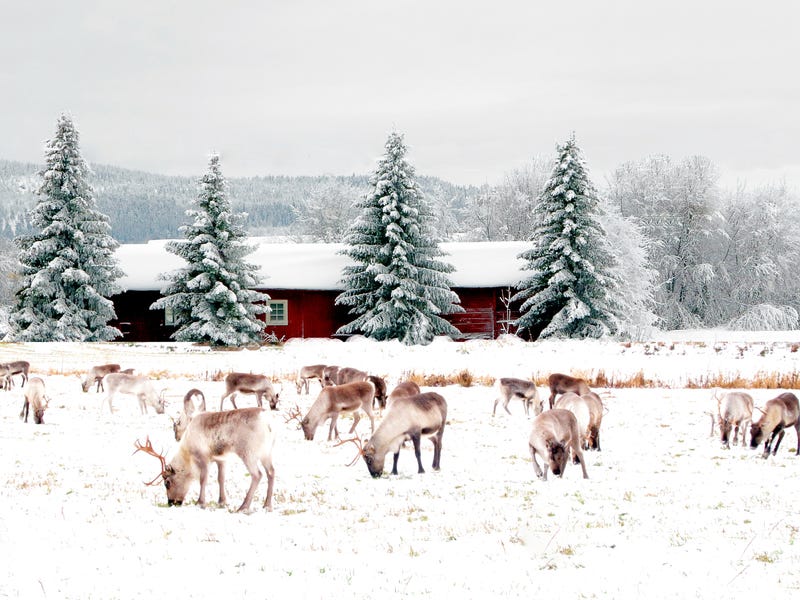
[{"x": 144, "y": 206}]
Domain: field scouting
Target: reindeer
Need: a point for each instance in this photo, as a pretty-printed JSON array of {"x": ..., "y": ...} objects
[
  {"x": 404, "y": 389},
  {"x": 734, "y": 410},
  {"x": 339, "y": 375},
  {"x": 580, "y": 408},
  {"x": 408, "y": 418},
  {"x": 138, "y": 385},
  {"x": 555, "y": 432},
  {"x": 248, "y": 383},
  {"x": 778, "y": 413},
  {"x": 211, "y": 436},
  {"x": 307, "y": 373},
  {"x": 36, "y": 399},
  {"x": 189, "y": 409},
  {"x": 17, "y": 367},
  {"x": 332, "y": 400},
  {"x": 595, "y": 405},
  {"x": 330, "y": 375},
  {"x": 95, "y": 375},
  {"x": 560, "y": 384},
  {"x": 510, "y": 387}
]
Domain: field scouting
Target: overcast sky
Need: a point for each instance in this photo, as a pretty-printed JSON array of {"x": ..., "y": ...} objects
[{"x": 310, "y": 87}]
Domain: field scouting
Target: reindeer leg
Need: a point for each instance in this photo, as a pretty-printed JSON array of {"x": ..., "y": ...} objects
[
  {"x": 505, "y": 404},
  {"x": 356, "y": 419},
  {"x": 536, "y": 468},
  {"x": 255, "y": 477},
  {"x": 778, "y": 442},
  {"x": 334, "y": 428},
  {"x": 394, "y": 462},
  {"x": 266, "y": 461},
  {"x": 577, "y": 455},
  {"x": 221, "y": 481},
  {"x": 203, "y": 481},
  {"x": 494, "y": 409},
  {"x": 415, "y": 438},
  {"x": 437, "y": 450}
]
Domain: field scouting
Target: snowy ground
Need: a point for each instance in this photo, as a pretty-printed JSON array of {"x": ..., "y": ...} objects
[{"x": 665, "y": 513}]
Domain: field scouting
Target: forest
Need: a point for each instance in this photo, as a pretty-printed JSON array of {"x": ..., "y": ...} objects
[{"x": 696, "y": 253}]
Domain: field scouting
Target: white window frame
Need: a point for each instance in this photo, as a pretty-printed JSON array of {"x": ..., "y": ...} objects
[{"x": 284, "y": 304}]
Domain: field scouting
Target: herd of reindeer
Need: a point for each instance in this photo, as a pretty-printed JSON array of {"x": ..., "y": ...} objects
[{"x": 569, "y": 427}]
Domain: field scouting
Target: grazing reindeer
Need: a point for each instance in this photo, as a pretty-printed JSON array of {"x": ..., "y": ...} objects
[
  {"x": 18, "y": 367},
  {"x": 34, "y": 399},
  {"x": 332, "y": 400},
  {"x": 211, "y": 436},
  {"x": 595, "y": 405},
  {"x": 138, "y": 385},
  {"x": 180, "y": 424},
  {"x": 735, "y": 411},
  {"x": 578, "y": 407},
  {"x": 307, "y": 373},
  {"x": 404, "y": 389},
  {"x": 408, "y": 418},
  {"x": 248, "y": 383},
  {"x": 560, "y": 384},
  {"x": 330, "y": 375},
  {"x": 554, "y": 433},
  {"x": 510, "y": 387},
  {"x": 95, "y": 375},
  {"x": 778, "y": 413}
]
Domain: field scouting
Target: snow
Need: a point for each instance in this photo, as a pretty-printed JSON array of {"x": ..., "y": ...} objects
[
  {"x": 666, "y": 512},
  {"x": 319, "y": 266}
]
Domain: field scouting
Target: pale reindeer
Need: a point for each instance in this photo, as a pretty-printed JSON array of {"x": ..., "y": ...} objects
[
  {"x": 511, "y": 387},
  {"x": 404, "y": 389},
  {"x": 580, "y": 408},
  {"x": 561, "y": 384},
  {"x": 554, "y": 434},
  {"x": 17, "y": 367},
  {"x": 95, "y": 375},
  {"x": 35, "y": 400},
  {"x": 248, "y": 383},
  {"x": 180, "y": 424},
  {"x": 596, "y": 410},
  {"x": 408, "y": 418},
  {"x": 212, "y": 436},
  {"x": 137, "y": 385},
  {"x": 308, "y": 373},
  {"x": 330, "y": 375},
  {"x": 734, "y": 411},
  {"x": 333, "y": 400},
  {"x": 778, "y": 414},
  {"x": 338, "y": 375}
]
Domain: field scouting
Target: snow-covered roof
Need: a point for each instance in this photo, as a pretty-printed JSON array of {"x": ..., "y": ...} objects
[{"x": 319, "y": 266}]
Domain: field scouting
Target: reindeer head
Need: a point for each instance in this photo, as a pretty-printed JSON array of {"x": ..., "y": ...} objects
[
  {"x": 557, "y": 455},
  {"x": 177, "y": 480}
]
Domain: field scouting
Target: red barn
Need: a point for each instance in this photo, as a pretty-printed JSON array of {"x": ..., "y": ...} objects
[{"x": 303, "y": 281}]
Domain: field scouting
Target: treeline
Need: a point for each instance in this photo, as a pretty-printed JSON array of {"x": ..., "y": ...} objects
[{"x": 144, "y": 206}]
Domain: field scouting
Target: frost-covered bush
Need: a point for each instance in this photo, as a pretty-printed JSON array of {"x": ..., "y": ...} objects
[{"x": 766, "y": 317}]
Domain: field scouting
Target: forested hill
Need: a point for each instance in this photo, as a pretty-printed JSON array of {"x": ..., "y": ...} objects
[{"x": 144, "y": 206}]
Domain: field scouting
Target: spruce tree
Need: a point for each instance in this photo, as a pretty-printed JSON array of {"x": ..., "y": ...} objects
[
  {"x": 211, "y": 298},
  {"x": 68, "y": 266},
  {"x": 398, "y": 288},
  {"x": 571, "y": 290}
]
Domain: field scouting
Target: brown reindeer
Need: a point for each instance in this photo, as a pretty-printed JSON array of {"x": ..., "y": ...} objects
[
  {"x": 211, "y": 436},
  {"x": 180, "y": 424},
  {"x": 248, "y": 383},
  {"x": 95, "y": 375},
  {"x": 735, "y": 411},
  {"x": 36, "y": 400},
  {"x": 330, "y": 375},
  {"x": 561, "y": 384},
  {"x": 17, "y": 367},
  {"x": 137, "y": 385},
  {"x": 408, "y": 418},
  {"x": 554, "y": 434},
  {"x": 510, "y": 387},
  {"x": 339, "y": 375},
  {"x": 333, "y": 400},
  {"x": 308, "y": 373},
  {"x": 778, "y": 414}
]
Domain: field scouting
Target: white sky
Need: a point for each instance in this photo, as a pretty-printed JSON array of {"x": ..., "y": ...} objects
[{"x": 310, "y": 87}]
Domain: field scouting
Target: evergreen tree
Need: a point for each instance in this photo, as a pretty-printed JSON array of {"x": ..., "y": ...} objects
[
  {"x": 211, "y": 297},
  {"x": 398, "y": 287},
  {"x": 68, "y": 267},
  {"x": 571, "y": 290}
]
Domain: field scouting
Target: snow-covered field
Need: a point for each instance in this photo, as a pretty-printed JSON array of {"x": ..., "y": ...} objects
[{"x": 665, "y": 513}]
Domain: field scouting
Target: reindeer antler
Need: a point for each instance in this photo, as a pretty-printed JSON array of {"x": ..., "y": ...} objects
[
  {"x": 148, "y": 449},
  {"x": 294, "y": 414},
  {"x": 359, "y": 444}
]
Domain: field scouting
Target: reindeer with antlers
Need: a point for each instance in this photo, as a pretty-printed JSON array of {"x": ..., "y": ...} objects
[{"x": 211, "y": 436}]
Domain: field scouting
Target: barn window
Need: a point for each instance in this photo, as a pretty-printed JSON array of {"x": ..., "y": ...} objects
[
  {"x": 278, "y": 312},
  {"x": 169, "y": 316}
]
